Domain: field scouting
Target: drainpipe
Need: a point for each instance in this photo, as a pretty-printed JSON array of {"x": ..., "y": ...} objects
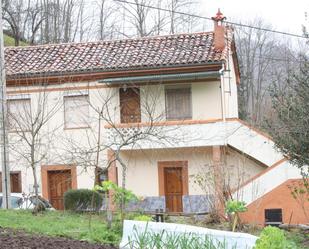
[{"x": 221, "y": 72}]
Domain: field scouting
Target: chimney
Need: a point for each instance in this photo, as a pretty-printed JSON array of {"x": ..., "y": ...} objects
[{"x": 219, "y": 31}]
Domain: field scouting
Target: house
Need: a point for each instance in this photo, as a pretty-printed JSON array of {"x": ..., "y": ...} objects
[{"x": 159, "y": 113}]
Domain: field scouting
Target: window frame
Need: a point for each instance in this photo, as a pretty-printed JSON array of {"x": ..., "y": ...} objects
[
  {"x": 173, "y": 87},
  {"x": 65, "y": 127},
  {"x": 17, "y": 129}
]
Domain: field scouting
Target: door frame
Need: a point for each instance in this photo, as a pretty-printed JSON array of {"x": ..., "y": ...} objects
[
  {"x": 44, "y": 175},
  {"x": 173, "y": 164}
]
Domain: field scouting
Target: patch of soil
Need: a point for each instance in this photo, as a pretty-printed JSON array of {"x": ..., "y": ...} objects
[{"x": 15, "y": 239}]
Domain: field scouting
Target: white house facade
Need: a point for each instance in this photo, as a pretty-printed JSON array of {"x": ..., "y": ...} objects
[{"x": 158, "y": 115}]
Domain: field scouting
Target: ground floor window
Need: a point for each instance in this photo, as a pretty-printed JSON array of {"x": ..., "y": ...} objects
[
  {"x": 273, "y": 216},
  {"x": 15, "y": 182},
  {"x": 101, "y": 175}
]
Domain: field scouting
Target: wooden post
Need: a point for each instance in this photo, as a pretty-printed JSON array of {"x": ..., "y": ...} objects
[
  {"x": 112, "y": 176},
  {"x": 218, "y": 179}
]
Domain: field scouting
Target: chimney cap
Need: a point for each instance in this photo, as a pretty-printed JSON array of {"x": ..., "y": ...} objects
[{"x": 219, "y": 16}]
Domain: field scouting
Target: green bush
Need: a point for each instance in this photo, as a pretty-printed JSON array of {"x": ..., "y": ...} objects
[
  {"x": 273, "y": 238},
  {"x": 82, "y": 200},
  {"x": 142, "y": 217}
]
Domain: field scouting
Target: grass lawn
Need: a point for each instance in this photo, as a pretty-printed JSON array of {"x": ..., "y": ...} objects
[
  {"x": 64, "y": 224},
  {"x": 77, "y": 226}
]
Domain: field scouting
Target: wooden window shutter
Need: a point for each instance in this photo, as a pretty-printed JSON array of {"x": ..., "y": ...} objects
[
  {"x": 178, "y": 103},
  {"x": 76, "y": 111},
  {"x": 15, "y": 178},
  {"x": 130, "y": 105}
]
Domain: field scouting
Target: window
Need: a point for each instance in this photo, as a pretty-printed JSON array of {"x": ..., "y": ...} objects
[
  {"x": 101, "y": 175},
  {"x": 76, "y": 111},
  {"x": 178, "y": 103},
  {"x": 19, "y": 114},
  {"x": 273, "y": 216},
  {"x": 15, "y": 178},
  {"x": 130, "y": 106}
]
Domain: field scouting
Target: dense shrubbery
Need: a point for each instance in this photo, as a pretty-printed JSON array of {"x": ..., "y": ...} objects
[
  {"x": 82, "y": 200},
  {"x": 273, "y": 238}
]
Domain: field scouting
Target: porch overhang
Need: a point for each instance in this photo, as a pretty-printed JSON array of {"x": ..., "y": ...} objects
[
  {"x": 162, "y": 77},
  {"x": 233, "y": 132}
]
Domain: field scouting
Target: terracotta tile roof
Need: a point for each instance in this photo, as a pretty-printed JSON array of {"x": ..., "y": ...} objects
[{"x": 150, "y": 52}]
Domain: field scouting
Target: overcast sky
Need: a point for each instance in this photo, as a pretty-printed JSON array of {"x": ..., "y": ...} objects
[{"x": 284, "y": 15}]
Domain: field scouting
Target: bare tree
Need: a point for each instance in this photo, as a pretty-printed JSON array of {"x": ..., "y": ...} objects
[
  {"x": 23, "y": 19},
  {"x": 139, "y": 16},
  {"x": 31, "y": 134},
  {"x": 91, "y": 152},
  {"x": 179, "y": 22},
  {"x": 264, "y": 58},
  {"x": 107, "y": 19}
]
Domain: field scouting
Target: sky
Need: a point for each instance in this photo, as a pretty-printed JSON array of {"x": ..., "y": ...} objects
[{"x": 287, "y": 16}]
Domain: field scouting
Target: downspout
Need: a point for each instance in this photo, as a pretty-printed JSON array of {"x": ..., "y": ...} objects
[{"x": 221, "y": 72}]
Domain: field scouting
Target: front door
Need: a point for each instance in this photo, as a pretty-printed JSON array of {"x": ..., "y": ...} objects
[
  {"x": 59, "y": 182},
  {"x": 173, "y": 183}
]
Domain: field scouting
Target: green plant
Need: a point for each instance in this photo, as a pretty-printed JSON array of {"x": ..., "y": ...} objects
[
  {"x": 273, "y": 238},
  {"x": 142, "y": 217},
  {"x": 64, "y": 224},
  {"x": 120, "y": 195},
  {"x": 82, "y": 200},
  {"x": 232, "y": 208},
  {"x": 151, "y": 240}
]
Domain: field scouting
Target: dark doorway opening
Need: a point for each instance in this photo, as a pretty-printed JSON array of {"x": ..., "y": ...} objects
[{"x": 273, "y": 217}]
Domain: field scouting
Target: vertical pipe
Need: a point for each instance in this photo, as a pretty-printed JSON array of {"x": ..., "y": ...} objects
[
  {"x": 222, "y": 93},
  {"x": 6, "y": 186}
]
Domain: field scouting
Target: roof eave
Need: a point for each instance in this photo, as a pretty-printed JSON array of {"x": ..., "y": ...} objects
[{"x": 99, "y": 74}]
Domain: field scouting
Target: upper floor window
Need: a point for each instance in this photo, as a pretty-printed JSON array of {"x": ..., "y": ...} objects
[
  {"x": 19, "y": 114},
  {"x": 130, "y": 105},
  {"x": 76, "y": 111},
  {"x": 178, "y": 103}
]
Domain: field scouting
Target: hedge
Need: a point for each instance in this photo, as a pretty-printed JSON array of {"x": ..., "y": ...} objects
[{"x": 82, "y": 200}]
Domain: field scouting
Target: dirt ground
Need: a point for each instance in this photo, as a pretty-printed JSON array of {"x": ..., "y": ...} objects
[{"x": 12, "y": 239}]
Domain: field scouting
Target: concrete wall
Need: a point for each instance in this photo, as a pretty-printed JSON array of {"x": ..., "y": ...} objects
[{"x": 142, "y": 172}]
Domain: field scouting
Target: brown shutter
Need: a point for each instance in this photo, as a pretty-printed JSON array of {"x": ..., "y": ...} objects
[
  {"x": 15, "y": 178},
  {"x": 130, "y": 106},
  {"x": 178, "y": 103}
]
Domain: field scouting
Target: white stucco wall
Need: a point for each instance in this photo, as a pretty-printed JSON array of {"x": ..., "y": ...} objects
[
  {"x": 142, "y": 172},
  {"x": 59, "y": 143}
]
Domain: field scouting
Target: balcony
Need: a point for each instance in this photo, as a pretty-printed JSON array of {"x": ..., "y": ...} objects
[{"x": 194, "y": 133}]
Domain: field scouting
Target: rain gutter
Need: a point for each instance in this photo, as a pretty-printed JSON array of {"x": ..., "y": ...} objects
[{"x": 161, "y": 77}]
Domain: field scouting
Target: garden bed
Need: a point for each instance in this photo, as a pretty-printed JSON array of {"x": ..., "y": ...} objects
[
  {"x": 62, "y": 224},
  {"x": 12, "y": 239}
]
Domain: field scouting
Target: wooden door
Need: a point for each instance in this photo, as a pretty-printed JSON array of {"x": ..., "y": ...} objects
[
  {"x": 173, "y": 183},
  {"x": 58, "y": 183},
  {"x": 130, "y": 106},
  {"x": 15, "y": 181}
]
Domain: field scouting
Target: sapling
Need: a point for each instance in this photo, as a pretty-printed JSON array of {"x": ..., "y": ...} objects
[{"x": 233, "y": 208}]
